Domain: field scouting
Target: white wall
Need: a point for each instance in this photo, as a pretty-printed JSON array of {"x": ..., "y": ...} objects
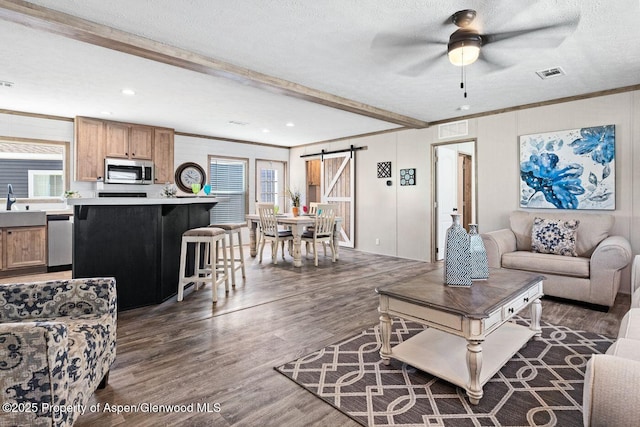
[{"x": 401, "y": 216}]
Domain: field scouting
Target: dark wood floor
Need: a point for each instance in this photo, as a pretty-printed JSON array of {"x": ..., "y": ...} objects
[{"x": 196, "y": 352}]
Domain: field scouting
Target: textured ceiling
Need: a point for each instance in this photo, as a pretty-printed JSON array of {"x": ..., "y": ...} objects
[{"x": 325, "y": 45}]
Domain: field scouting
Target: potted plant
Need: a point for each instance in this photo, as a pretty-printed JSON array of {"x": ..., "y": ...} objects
[{"x": 295, "y": 201}]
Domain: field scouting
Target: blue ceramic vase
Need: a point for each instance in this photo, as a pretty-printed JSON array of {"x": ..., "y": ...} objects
[
  {"x": 479, "y": 263},
  {"x": 457, "y": 259}
]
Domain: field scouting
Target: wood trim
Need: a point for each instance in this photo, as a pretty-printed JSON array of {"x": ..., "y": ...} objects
[
  {"x": 75, "y": 28},
  {"x": 36, "y": 115},
  {"x": 238, "y": 141},
  {"x": 67, "y": 156},
  {"x": 362, "y": 135},
  {"x": 540, "y": 104}
]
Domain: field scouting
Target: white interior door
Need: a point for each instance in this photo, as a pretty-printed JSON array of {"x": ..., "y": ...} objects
[
  {"x": 447, "y": 192},
  {"x": 270, "y": 182},
  {"x": 337, "y": 178}
]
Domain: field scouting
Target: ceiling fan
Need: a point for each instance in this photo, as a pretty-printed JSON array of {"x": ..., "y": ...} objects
[{"x": 469, "y": 44}]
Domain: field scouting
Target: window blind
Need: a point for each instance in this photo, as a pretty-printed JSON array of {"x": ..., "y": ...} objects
[{"x": 228, "y": 183}]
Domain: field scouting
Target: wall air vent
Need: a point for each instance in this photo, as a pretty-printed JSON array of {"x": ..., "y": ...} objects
[
  {"x": 238, "y": 123},
  {"x": 453, "y": 129},
  {"x": 550, "y": 72},
  {"x": 4, "y": 83}
]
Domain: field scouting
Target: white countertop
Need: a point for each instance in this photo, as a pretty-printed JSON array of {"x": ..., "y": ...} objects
[{"x": 110, "y": 201}]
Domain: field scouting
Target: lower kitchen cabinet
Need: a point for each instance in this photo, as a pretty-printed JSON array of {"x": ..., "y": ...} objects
[{"x": 22, "y": 249}]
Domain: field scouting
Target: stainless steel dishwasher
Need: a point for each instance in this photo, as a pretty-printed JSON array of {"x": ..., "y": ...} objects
[{"x": 60, "y": 238}]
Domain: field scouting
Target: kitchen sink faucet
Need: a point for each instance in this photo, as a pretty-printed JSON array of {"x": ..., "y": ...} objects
[{"x": 11, "y": 199}]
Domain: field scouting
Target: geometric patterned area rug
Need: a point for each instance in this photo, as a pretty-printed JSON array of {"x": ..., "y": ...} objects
[{"x": 540, "y": 386}]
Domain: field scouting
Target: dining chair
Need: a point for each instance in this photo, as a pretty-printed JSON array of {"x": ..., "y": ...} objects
[
  {"x": 269, "y": 231},
  {"x": 313, "y": 207},
  {"x": 325, "y": 220}
]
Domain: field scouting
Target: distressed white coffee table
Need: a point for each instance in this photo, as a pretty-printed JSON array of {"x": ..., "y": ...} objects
[{"x": 468, "y": 336}]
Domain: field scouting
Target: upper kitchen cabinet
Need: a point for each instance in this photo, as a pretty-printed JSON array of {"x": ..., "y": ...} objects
[
  {"x": 163, "y": 155},
  {"x": 129, "y": 141},
  {"x": 96, "y": 139},
  {"x": 89, "y": 148}
]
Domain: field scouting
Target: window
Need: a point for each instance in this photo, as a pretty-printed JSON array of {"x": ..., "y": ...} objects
[
  {"x": 36, "y": 169},
  {"x": 45, "y": 184},
  {"x": 228, "y": 179},
  {"x": 269, "y": 185},
  {"x": 270, "y": 182}
]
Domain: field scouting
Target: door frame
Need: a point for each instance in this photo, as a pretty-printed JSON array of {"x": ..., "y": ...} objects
[
  {"x": 434, "y": 188},
  {"x": 285, "y": 181}
]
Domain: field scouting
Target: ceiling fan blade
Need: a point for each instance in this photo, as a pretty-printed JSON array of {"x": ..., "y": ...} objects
[
  {"x": 397, "y": 40},
  {"x": 422, "y": 66},
  {"x": 546, "y": 36},
  {"x": 492, "y": 63},
  {"x": 404, "y": 48}
]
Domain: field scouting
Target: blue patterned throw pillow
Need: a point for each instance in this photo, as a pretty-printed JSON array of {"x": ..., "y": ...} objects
[{"x": 554, "y": 236}]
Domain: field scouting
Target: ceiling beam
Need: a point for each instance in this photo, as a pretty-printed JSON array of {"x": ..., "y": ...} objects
[{"x": 52, "y": 21}]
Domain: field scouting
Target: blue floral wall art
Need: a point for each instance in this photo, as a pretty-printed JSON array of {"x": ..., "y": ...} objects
[{"x": 570, "y": 169}]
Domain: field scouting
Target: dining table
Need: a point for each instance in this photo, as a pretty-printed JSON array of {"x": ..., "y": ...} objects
[{"x": 297, "y": 225}]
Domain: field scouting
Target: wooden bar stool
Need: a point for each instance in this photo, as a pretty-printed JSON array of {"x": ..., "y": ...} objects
[
  {"x": 237, "y": 263},
  {"x": 210, "y": 237}
]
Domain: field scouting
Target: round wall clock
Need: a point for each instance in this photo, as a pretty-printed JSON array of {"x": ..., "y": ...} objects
[{"x": 189, "y": 173}]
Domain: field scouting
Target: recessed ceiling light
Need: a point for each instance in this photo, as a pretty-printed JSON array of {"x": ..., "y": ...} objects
[
  {"x": 129, "y": 92},
  {"x": 266, "y": 130},
  {"x": 464, "y": 107},
  {"x": 106, "y": 113},
  {"x": 290, "y": 124}
]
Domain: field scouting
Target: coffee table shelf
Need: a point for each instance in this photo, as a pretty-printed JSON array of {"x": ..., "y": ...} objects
[{"x": 445, "y": 355}]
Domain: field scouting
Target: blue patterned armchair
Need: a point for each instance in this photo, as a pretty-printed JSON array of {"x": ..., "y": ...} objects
[{"x": 57, "y": 343}]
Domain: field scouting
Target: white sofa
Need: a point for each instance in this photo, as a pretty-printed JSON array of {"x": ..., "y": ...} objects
[
  {"x": 593, "y": 276},
  {"x": 611, "y": 395}
]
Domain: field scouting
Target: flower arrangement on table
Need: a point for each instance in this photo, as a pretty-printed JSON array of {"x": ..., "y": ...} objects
[{"x": 294, "y": 195}]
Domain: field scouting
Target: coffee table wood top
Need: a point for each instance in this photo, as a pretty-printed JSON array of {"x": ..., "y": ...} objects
[{"x": 476, "y": 301}]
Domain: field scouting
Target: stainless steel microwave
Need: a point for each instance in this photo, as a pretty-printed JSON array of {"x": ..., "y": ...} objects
[{"x": 122, "y": 171}]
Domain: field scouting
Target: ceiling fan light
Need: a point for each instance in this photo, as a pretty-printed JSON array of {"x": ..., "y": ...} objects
[{"x": 464, "y": 53}]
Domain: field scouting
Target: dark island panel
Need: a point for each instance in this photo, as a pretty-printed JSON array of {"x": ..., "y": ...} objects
[{"x": 138, "y": 244}]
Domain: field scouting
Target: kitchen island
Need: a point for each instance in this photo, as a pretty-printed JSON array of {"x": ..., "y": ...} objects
[{"x": 137, "y": 241}]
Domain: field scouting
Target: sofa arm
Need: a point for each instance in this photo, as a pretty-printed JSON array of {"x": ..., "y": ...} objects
[
  {"x": 497, "y": 243},
  {"x": 611, "y": 395},
  {"x": 33, "y": 359},
  {"x": 75, "y": 297},
  {"x": 635, "y": 282},
  {"x": 611, "y": 256}
]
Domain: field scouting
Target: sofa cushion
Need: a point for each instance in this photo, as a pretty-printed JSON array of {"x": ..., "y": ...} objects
[
  {"x": 625, "y": 347},
  {"x": 547, "y": 263},
  {"x": 630, "y": 325},
  {"x": 594, "y": 228},
  {"x": 556, "y": 237}
]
